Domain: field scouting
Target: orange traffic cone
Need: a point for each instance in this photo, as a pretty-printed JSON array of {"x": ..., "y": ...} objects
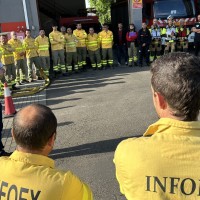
[{"x": 9, "y": 106}]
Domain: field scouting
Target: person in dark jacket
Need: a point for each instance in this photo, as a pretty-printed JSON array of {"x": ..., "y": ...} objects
[
  {"x": 120, "y": 44},
  {"x": 144, "y": 41}
]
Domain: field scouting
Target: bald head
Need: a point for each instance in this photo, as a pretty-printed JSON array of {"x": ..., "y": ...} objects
[{"x": 33, "y": 126}]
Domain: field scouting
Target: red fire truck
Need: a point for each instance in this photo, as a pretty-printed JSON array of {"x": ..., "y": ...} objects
[
  {"x": 159, "y": 9},
  {"x": 87, "y": 22}
]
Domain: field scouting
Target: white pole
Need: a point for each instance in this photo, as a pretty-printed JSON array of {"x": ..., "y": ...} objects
[{"x": 25, "y": 14}]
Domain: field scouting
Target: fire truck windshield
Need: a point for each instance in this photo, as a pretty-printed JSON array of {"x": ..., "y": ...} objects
[{"x": 176, "y": 8}]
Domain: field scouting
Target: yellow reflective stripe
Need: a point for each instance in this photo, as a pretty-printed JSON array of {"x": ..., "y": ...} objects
[
  {"x": 9, "y": 55},
  {"x": 105, "y": 39},
  {"x": 19, "y": 48},
  {"x": 106, "y": 42},
  {"x": 43, "y": 49},
  {"x": 92, "y": 45}
]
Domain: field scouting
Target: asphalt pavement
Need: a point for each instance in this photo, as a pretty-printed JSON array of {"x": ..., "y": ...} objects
[{"x": 95, "y": 111}]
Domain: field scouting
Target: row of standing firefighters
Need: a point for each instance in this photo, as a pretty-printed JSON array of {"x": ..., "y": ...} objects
[
  {"x": 153, "y": 42},
  {"x": 69, "y": 49}
]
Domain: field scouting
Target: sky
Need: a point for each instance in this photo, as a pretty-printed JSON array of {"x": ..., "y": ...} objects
[{"x": 87, "y": 3}]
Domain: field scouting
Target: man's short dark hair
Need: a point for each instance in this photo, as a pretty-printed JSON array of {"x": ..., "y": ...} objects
[
  {"x": 176, "y": 77},
  {"x": 105, "y": 25},
  {"x": 54, "y": 24},
  {"x": 35, "y": 133},
  {"x": 4, "y": 35}
]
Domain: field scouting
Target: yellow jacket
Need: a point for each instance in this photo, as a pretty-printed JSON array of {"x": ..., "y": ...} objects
[
  {"x": 64, "y": 41},
  {"x": 42, "y": 44},
  {"x": 6, "y": 52},
  {"x": 163, "y": 164},
  {"x": 34, "y": 176},
  {"x": 30, "y": 47},
  {"x": 92, "y": 42},
  {"x": 81, "y": 36},
  {"x": 71, "y": 42},
  {"x": 106, "y": 39},
  {"x": 57, "y": 40},
  {"x": 18, "y": 48}
]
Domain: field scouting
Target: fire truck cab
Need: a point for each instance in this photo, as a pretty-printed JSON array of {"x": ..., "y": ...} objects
[
  {"x": 178, "y": 9},
  {"x": 161, "y": 9}
]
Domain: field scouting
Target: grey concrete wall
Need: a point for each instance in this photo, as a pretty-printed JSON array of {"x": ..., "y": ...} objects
[
  {"x": 11, "y": 11},
  {"x": 33, "y": 17},
  {"x": 136, "y": 18}
]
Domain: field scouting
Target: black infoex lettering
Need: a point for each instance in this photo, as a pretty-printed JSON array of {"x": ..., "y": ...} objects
[
  {"x": 161, "y": 185},
  {"x": 15, "y": 193},
  {"x": 173, "y": 184},
  {"x": 35, "y": 197},
  {"x": 148, "y": 183},
  {"x": 3, "y": 184},
  {"x": 14, "y": 189},
  {"x": 193, "y": 188},
  {"x": 23, "y": 190}
]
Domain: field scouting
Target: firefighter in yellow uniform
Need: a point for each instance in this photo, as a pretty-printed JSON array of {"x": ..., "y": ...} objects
[
  {"x": 19, "y": 57},
  {"x": 63, "y": 31},
  {"x": 155, "y": 46},
  {"x": 93, "y": 47},
  {"x": 42, "y": 42},
  {"x": 182, "y": 36},
  {"x": 31, "y": 55},
  {"x": 7, "y": 59},
  {"x": 57, "y": 48},
  {"x": 81, "y": 36},
  {"x": 163, "y": 164},
  {"x": 2, "y": 77},
  {"x": 169, "y": 32},
  {"x": 71, "y": 51},
  {"x": 29, "y": 173},
  {"x": 106, "y": 41},
  {"x": 2, "y": 73}
]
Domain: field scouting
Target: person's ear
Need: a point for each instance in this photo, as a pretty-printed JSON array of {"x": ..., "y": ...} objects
[
  {"x": 13, "y": 135},
  {"x": 160, "y": 100},
  {"x": 52, "y": 140}
]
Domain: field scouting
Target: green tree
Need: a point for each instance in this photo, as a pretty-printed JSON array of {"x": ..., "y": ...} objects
[{"x": 103, "y": 9}]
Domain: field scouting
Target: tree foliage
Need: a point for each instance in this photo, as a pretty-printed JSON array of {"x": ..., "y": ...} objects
[{"x": 103, "y": 9}]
